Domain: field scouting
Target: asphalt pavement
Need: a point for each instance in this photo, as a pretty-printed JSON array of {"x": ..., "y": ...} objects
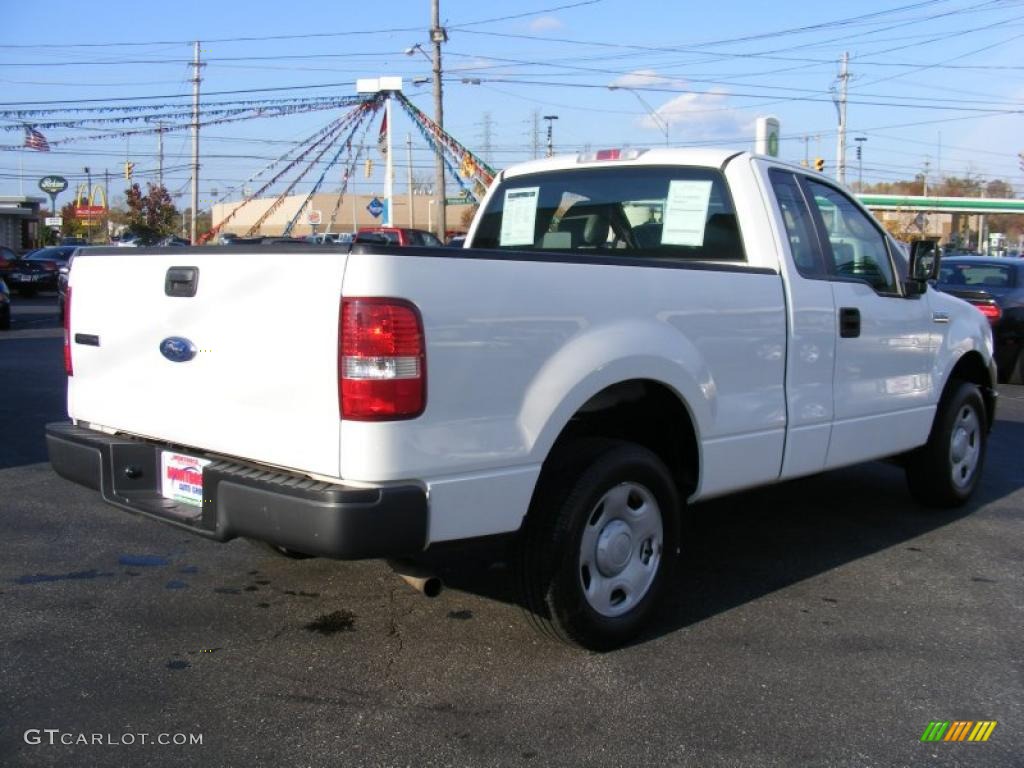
[{"x": 824, "y": 622}]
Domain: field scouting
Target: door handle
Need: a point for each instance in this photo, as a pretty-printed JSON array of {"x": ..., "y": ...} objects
[
  {"x": 181, "y": 281},
  {"x": 849, "y": 322}
]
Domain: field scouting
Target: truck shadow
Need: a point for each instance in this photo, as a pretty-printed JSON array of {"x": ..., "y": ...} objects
[
  {"x": 34, "y": 393},
  {"x": 745, "y": 546}
]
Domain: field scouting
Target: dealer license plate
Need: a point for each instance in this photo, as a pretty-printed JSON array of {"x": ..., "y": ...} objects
[{"x": 182, "y": 477}]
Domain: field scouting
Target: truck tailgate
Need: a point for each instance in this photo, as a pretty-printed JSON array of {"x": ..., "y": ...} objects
[{"x": 263, "y": 382}]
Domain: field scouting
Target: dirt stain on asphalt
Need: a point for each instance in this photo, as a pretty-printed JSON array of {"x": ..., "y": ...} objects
[
  {"x": 227, "y": 590},
  {"x": 175, "y": 584},
  {"x": 331, "y": 623},
  {"x": 38, "y": 578},
  {"x": 178, "y": 664},
  {"x": 143, "y": 561},
  {"x": 463, "y": 615}
]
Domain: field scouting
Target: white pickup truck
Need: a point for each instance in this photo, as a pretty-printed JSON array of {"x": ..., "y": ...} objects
[{"x": 627, "y": 333}]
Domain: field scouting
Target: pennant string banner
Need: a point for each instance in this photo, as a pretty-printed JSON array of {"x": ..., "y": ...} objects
[{"x": 361, "y": 114}]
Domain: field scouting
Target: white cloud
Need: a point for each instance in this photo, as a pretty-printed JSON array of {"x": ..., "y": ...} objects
[
  {"x": 642, "y": 78},
  {"x": 545, "y": 24},
  {"x": 690, "y": 116}
]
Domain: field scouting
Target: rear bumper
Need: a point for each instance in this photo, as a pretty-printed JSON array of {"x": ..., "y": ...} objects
[{"x": 286, "y": 509}]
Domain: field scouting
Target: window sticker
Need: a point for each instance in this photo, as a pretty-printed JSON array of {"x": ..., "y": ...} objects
[
  {"x": 686, "y": 212},
  {"x": 518, "y": 219}
]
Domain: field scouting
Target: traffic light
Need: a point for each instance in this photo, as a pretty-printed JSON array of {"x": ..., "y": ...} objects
[
  {"x": 369, "y": 168},
  {"x": 129, "y": 169},
  {"x": 819, "y": 164}
]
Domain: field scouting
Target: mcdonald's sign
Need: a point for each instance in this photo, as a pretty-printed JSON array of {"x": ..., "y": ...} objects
[{"x": 85, "y": 202}]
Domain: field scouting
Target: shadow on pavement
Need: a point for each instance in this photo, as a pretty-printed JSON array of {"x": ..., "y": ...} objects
[
  {"x": 751, "y": 544},
  {"x": 33, "y": 388}
]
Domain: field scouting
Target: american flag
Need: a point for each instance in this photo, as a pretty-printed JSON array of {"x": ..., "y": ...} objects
[{"x": 35, "y": 140}]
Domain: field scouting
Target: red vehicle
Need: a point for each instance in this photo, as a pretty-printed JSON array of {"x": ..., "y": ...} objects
[{"x": 398, "y": 236}]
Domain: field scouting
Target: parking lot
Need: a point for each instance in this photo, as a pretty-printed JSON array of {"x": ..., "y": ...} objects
[{"x": 823, "y": 622}]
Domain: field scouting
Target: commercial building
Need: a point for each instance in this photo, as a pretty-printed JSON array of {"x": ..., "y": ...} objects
[{"x": 19, "y": 221}]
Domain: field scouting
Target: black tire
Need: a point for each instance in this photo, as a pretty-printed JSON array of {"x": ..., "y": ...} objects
[
  {"x": 1014, "y": 373},
  {"x": 580, "y": 489},
  {"x": 945, "y": 471},
  {"x": 5, "y": 318},
  {"x": 28, "y": 293}
]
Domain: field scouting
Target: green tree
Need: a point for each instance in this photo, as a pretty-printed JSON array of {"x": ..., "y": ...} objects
[{"x": 151, "y": 215}]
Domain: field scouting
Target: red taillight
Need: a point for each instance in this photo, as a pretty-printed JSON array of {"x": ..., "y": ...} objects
[
  {"x": 381, "y": 360},
  {"x": 991, "y": 311},
  {"x": 68, "y": 368},
  {"x": 609, "y": 154}
]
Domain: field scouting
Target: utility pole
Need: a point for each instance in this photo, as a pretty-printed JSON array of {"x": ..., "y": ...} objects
[
  {"x": 408, "y": 158},
  {"x": 844, "y": 78},
  {"x": 485, "y": 144},
  {"x": 551, "y": 144},
  {"x": 196, "y": 65},
  {"x": 860, "y": 161},
  {"x": 535, "y": 134},
  {"x": 438, "y": 35},
  {"x": 88, "y": 202},
  {"x": 106, "y": 201},
  {"x": 160, "y": 154}
]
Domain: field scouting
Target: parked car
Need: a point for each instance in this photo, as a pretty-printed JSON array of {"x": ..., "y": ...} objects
[
  {"x": 73, "y": 241},
  {"x": 5, "y": 306},
  {"x": 399, "y": 236},
  {"x": 39, "y": 270},
  {"x": 996, "y": 287},
  {"x": 7, "y": 260},
  {"x": 329, "y": 238},
  {"x": 174, "y": 241},
  {"x": 457, "y": 241}
]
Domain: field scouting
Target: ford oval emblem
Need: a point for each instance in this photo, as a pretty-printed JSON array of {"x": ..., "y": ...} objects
[{"x": 177, "y": 350}]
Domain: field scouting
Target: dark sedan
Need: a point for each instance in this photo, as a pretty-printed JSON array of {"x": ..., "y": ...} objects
[
  {"x": 39, "y": 270},
  {"x": 996, "y": 287},
  {"x": 5, "y": 306}
]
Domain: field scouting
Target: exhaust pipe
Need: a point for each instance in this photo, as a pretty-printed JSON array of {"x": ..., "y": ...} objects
[{"x": 416, "y": 576}]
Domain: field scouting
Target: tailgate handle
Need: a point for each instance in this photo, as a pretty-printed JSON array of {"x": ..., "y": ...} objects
[
  {"x": 849, "y": 322},
  {"x": 181, "y": 281}
]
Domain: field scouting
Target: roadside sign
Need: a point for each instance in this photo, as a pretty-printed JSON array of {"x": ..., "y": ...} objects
[
  {"x": 54, "y": 221},
  {"x": 375, "y": 207},
  {"x": 53, "y": 185},
  {"x": 89, "y": 211},
  {"x": 314, "y": 218},
  {"x": 457, "y": 200}
]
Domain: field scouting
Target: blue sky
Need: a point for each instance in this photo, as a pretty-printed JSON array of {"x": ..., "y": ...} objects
[{"x": 934, "y": 83}]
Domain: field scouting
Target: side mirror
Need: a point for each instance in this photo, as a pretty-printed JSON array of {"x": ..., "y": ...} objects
[{"x": 924, "y": 266}]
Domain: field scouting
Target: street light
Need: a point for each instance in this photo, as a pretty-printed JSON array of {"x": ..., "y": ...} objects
[
  {"x": 658, "y": 119},
  {"x": 551, "y": 145}
]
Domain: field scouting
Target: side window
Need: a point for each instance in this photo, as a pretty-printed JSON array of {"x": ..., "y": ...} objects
[
  {"x": 799, "y": 226},
  {"x": 856, "y": 247}
]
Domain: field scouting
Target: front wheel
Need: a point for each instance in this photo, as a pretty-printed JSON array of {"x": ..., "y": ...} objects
[
  {"x": 600, "y": 542},
  {"x": 945, "y": 471}
]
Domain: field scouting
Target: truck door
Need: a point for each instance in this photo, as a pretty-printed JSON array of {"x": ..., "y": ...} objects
[
  {"x": 883, "y": 387},
  {"x": 810, "y": 356}
]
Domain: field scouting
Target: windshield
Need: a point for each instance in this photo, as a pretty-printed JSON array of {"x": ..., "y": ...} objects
[
  {"x": 50, "y": 254},
  {"x": 668, "y": 212},
  {"x": 976, "y": 275}
]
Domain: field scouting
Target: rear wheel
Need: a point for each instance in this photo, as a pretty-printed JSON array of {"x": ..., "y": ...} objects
[
  {"x": 5, "y": 317},
  {"x": 945, "y": 471},
  {"x": 600, "y": 542}
]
